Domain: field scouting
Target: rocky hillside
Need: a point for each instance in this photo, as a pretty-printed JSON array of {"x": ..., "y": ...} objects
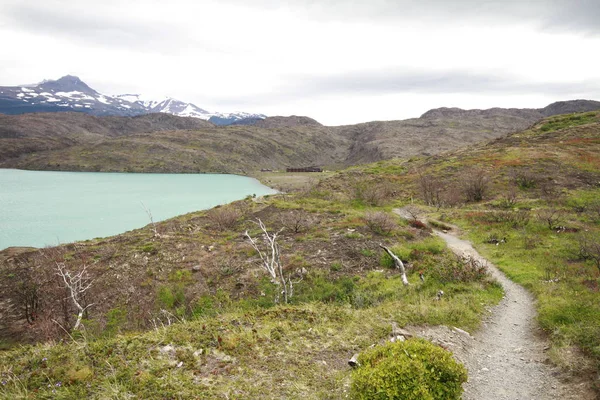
[
  {"x": 161, "y": 143},
  {"x": 35, "y": 133}
]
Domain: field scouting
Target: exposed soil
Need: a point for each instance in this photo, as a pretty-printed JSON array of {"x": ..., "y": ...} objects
[{"x": 507, "y": 357}]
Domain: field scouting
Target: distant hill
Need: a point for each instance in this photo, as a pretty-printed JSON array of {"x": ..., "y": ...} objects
[
  {"x": 166, "y": 143},
  {"x": 44, "y": 132},
  {"x": 568, "y": 107}
]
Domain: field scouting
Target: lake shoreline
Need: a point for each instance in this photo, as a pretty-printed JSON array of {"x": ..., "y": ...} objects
[{"x": 107, "y": 200}]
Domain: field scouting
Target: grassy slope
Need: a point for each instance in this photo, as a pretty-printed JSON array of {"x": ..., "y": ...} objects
[
  {"x": 237, "y": 343},
  {"x": 244, "y": 345},
  {"x": 552, "y": 166}
]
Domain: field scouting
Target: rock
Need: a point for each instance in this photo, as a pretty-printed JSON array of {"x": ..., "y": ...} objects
[
  {"x": 219, "y": 355},
  {"x": 168, "y": 351},
  {"x": 465, "y": 333},
  {"x": 397, "y": 331},
  {"x": 196, "y": 268}
]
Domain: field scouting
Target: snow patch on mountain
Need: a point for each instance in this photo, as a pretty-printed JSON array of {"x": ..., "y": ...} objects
[{"x": 71, "y": 92}]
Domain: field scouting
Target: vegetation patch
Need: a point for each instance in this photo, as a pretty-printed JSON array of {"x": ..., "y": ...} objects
[{"x": 410, "y": 370}]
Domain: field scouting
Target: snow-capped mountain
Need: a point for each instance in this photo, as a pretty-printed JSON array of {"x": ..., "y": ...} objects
[
  {"x": 70, "y": 93},
  {"x": 176, "y": 107}
]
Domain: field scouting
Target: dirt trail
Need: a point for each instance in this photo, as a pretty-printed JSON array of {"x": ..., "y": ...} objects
[{"x": 506, "y": 359}]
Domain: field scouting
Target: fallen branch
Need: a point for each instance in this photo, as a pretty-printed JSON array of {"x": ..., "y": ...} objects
[{"x": 398, "y": 263}]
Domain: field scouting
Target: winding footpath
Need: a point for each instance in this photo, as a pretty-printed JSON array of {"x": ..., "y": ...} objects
[{"x": 506, "y": 358}]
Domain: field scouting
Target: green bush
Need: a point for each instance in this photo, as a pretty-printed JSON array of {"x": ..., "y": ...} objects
[
  {"x": 415, "y": 369},
  {"x": 116, "y": 318},
  {"x": 322, "y": 288},
  {"x": 170, "y": 298}
]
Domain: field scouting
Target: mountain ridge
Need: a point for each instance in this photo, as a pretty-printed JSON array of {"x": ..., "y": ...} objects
[
  {"x": 166, "y": 143},
  {"x": 70, "y": 93}
]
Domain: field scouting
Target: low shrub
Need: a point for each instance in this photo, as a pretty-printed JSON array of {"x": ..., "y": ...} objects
[
  {"x": 373, "y": 194},
  {"x": 415, "y": 369},
  {"x": 415, "y": 223},
  {"x": 380, "y": 222},
  {"x": 224, "y": 217},
  {"x": 474, "y": 185},
  {"x": 296, "y": 221},
  {"x": 516, "y": 219},
  {"x": 459, "y": 269},
  {"x": 525, "y": 178},
  {"x": 439, "y": 225}
]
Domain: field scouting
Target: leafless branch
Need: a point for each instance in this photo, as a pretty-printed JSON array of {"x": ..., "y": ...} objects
[
  {"x": 271, "y": 261},
  {"x": 147, "y": 210},
  {"x": 398, "y": 263},
  {"x": 77, "y": 284}
]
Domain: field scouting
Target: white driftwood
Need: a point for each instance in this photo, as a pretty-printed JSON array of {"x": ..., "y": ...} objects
[
  {"x": 77, "y": 284},
  {"x": 398, "y": 263},
  {"x": 271, "y": 262}
]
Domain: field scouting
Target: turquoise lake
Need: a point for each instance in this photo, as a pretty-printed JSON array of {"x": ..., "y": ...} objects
[{"x": 43, "y": 208}]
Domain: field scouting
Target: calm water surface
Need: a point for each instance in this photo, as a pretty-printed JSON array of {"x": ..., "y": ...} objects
[{"x": 39, "y": 208}]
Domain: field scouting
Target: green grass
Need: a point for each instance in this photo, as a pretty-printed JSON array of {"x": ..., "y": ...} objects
[
  {"x": 294, "y": 351},
  {"x": 231, "y": 340},
  {"x": 568, "y": 121},
  {"x": 547, "y": 263},
  {"x": 244, "y": 346}
]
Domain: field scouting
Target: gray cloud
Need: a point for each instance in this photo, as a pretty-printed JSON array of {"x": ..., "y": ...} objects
[
  {"x": 396, "y": 81},
  {"x": 581, "y": 16},
  {"x": 53, "y": 20}
]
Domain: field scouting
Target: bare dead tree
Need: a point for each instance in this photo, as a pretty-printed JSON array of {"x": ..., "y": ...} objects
[
  {"x": 271, "y": 262},
  {"x": 296, "y": 221},
  {"x": 509, "y": 198},
  {"x": 380, "y": 222},
  {"x": 594, "y": 209},
  {"x": 76, "y": 284},
  {"x": 398, "y": 263},
  {"x": 525, "y": 178},
  {"x": 549, "y": 190},
  {"x": 156, "y": 234},
  {"x": 431, "y": 189},
  {"x": 413, "y": 212},
  {"x": 551, "y": 216},
  {"x": 589, "y": 248},
  {"x": 21, "y": 285},
  {"x": 474, "y": 184}
]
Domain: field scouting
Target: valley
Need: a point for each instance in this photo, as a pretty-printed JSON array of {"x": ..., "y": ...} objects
[
  {"x": 187, "y": 310},
  {"x": 165, "y": 143}
]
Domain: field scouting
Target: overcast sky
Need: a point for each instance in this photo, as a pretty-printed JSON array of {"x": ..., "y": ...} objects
[{"x": 338, "y": 61}]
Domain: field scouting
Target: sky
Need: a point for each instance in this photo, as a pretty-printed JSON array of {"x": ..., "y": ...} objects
[{"x": 338, "y": 61}]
